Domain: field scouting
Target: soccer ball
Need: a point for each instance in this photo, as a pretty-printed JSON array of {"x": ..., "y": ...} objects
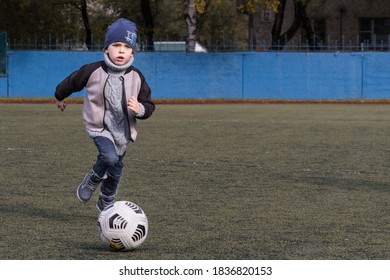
[{"x": 123, "y": 226}]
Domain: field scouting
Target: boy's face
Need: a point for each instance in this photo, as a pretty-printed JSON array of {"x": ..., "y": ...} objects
[{"x": 119, "y": 53}]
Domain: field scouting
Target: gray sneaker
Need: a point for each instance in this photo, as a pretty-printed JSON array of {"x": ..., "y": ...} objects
[
  {"x": 87, "y": 187},
  {"x": 102, "y": 204}
]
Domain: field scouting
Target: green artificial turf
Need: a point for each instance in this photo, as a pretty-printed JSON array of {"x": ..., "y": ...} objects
[{"x": 219, "y": 181}]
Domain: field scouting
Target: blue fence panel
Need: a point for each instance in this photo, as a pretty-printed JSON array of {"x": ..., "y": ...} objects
[
  {"x": 3, "y": 87},
  {"x": 37, "y": 73},
  {"x": 302, "y": 76},
  {"x": 376, "y": 75},
  {"x": 198, "y": 75},
  {"x": 260, "y": 75}
]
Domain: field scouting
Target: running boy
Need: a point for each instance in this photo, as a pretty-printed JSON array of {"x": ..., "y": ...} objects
[{"x": 116, "y": 96}]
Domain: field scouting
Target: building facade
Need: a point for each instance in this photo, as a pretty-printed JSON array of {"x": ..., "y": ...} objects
[{"x": 342, "y": 24}]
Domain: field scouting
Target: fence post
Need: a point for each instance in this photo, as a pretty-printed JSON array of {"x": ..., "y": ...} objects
[{"x": 3, "y": 54}]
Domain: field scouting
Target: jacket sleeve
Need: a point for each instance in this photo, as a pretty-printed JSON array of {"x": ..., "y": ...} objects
[
  {"x": 75, "y": 82},
  {"x": 145, "y": 98}
]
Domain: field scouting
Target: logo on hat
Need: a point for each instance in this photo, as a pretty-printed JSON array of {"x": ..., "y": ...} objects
[{"x": 131, "y": 37}]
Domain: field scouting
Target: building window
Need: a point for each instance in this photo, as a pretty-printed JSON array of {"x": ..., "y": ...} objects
[{"x": 374, "y": 30}]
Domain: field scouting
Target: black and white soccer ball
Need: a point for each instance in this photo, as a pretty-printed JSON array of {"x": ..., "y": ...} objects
[{"x": 123, "y": 226}]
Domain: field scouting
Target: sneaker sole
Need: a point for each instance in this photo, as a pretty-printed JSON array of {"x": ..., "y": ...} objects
[{"x": 79, "y": 198}]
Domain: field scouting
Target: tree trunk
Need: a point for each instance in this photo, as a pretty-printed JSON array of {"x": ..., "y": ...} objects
[
  {"x": 190, "y": 18},
  {"x": 277, "y": 27},
  {"x": 310, "y": 35},
  {"x": 251, "y": 35},
  {"x": 149, "y": 25},
  {"x": 300, "y": 20},
  {"x": 88, "y": 31},
  {"x": 84, "y": 14}
]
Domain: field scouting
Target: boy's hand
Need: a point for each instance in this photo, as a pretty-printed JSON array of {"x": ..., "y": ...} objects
[
  {"x": 61, "y": 105},
  {"x": 133, "y": 105}
]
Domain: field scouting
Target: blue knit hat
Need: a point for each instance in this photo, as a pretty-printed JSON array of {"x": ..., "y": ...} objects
[{"x": 122, "y": 30}]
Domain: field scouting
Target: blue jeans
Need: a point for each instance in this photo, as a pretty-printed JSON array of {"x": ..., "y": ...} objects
[{"x": 108, "y": 166}]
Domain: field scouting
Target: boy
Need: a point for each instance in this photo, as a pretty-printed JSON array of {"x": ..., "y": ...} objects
[{"x": 116, "y": 95}]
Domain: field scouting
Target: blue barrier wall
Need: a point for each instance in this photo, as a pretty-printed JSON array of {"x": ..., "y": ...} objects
[{"x": 248, "y": 75}]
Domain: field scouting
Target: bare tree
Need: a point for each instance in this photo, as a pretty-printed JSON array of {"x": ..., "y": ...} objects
[
  {"x": 82, "y": 6},
  {"x": 148, "y": 24},
  {"x": 190, "y": 18},
  {"x": 301, "y": 20}
]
